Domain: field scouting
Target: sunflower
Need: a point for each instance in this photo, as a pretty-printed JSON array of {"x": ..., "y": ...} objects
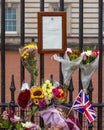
[
  {"x": 37, "y": 93},
  {"x": 36, "y": 101}
]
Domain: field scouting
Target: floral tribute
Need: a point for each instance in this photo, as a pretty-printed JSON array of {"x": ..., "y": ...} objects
[
  {"x": 29, "y": 60},
  {"x": 39, "y": 98},
  {"x": 8, "y": 120},
  {"x": 88, "y": 65},
  {"x": 69, "y": 63},
  {"x": 47, "y": 100},
  {"x": 89, "y": 55},
  {"x": 73, "y": 53}
]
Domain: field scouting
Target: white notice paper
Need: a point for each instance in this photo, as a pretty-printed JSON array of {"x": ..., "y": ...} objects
[{"x": 52, "y": 32}]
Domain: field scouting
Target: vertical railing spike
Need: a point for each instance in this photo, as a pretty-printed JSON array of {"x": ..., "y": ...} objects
[
  {"x": 12, "y": 89},
  {"x": 71, "y": 89}
]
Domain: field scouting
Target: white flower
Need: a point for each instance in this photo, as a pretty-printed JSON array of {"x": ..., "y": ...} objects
[
  {"x": 68, "y": 50},
  {"x": 17, "y": 118},
  {"x": 88, "y": 52},
  {"x": 27, "y": 124},
  {"x": 24, "y": 86}
]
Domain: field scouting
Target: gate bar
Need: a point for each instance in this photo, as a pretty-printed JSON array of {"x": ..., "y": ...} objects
[
  {"x": 41, "y": 55},
  {"x": 22, "y": 71},
  {"x": 3, "y": 51},
  {"x": 22, "y": 36},
  {"x": 60, "y": 74},
  {"x": 41, "y": 63},
  {"x": 100, "y": 38},
  {"x": 80, "y": 44}
]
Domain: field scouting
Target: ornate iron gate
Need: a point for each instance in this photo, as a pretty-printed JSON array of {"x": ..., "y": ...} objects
[{"x": 98, "y": 106}]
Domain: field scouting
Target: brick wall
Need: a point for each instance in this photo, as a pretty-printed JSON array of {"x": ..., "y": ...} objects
[{"x": 50, "y": 67}]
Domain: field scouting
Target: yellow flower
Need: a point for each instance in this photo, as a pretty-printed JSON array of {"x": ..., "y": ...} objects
[
  {"x": 29, "y": 46},
  {"x": 36, "y": 101},
  {"x": 25, "y": 54},
  {"x": 37, "y": 92},
  {"x": 61, "y": 91},
  {"x": 47, "y": 82}
]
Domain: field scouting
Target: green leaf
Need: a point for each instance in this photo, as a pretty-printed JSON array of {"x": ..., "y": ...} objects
[
  {"x": 5, "y": 124},
  {"x": 34, "y": 110},
  {"x": 19, "y": 126}
]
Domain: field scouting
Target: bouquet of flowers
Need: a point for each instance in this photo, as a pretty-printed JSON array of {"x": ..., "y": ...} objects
[
  {"x": 55, "y": 114},
  {"x": 32, "y": 98},
  {"x": 8, "y": 120},
  {"x": 53, "y": 93},
  {"x": 28, "y": 57},
  {"x": 47, "y": 100},
  {"x": 69, "y": 63},
  {"x": 88, "y": 65},
  {"x": 59, "y": 94},
  {"x": 56, "y": 118},
  {"x": 24, "y": 96},
  {"x": 39, "y": 98}
]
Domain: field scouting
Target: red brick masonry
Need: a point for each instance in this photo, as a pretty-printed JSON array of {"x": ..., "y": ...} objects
[{"x": 12, "y": 65}]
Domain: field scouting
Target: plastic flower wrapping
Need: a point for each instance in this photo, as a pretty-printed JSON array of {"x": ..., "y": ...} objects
[
  {"x": 56, "y": 117},
  {"x": 47, "y": 100},
  {"x": 9, "y": 120},
  {"x": 69, "y": 63},
  {"x": 88, "y": 65},
  {"x": 29, "y": 60}
]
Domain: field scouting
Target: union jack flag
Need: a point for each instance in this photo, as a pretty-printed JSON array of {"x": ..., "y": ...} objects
[{"x": 83, "y": 105}]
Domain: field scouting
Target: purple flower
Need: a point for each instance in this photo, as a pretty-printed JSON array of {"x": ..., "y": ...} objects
[
  {"x": 11, "y": 113},
  {"x": 42, "y": 104},
  {"x": 31, "y": 104},
  {"x": 31, "y": 50}
]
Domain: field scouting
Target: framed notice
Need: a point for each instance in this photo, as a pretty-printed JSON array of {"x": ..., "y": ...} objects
[{"x": 52, "y": 32}]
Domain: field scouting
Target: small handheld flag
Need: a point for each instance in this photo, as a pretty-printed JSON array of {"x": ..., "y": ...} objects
[{"x": 83, "y": 105}]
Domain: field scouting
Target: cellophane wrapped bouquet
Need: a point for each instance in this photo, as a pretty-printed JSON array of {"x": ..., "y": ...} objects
[
  {"x": 47, "y": 100},
  {"x": 56, "y": 116},
  {"x": 28, "y": 55},
  {"x": 88, "y": 65},
  {"x": 69, "y": 63}
]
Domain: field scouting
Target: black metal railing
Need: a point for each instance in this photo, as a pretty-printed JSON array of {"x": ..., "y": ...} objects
[{"x": 98, "y": 106}]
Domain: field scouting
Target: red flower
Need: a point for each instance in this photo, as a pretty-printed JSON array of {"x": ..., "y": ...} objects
[{"x": 23, "y": 98}]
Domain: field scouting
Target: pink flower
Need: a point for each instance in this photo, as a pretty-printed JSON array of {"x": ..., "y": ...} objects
[
  {"x": 84, "y": 56},
  {"x": 12, "y": 120},
  {"x": 95, "y": 53},
  {"x": 55, "y": 92},
  {"x": 68, "y": 51},
  {"x": 5, "y": 115}
]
